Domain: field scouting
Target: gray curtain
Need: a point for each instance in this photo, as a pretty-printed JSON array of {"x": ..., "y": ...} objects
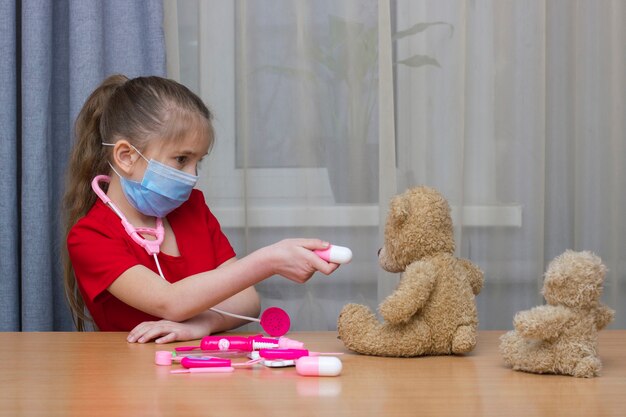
[{"x": 53, "y": 53}]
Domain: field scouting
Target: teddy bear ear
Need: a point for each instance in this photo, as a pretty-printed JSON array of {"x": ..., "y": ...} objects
[{"x": 398, "y": 210}]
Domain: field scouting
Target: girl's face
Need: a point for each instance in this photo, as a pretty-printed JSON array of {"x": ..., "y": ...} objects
[{"x": 184, "y": 152}]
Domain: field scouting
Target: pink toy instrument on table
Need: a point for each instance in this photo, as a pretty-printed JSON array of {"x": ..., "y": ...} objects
[
  {"x": 247, "y": 344},
  {"x": 272, "y": 353},
  {"x": 225, "y": 347}
]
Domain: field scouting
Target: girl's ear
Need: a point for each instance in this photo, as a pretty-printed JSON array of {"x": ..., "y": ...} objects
[{"x": 125, "y": 156}]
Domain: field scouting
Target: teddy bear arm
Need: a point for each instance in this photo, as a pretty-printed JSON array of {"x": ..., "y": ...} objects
[
  {"x": 418, "y": 281},
  {"x": 474, "y": 275},
  {"x": 543, "y": 322},
  {"x": 604, "y": 315}
]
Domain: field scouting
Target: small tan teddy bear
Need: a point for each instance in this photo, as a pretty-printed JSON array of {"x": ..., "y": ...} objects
[
  {"x": 432, "y": 311},
  {"x": 562, "y": 336}
]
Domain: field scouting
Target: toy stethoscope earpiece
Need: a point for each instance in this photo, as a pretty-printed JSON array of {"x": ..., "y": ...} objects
[
  {"x": 151, "y": 246},
  {"x": 274, "y": 320}
]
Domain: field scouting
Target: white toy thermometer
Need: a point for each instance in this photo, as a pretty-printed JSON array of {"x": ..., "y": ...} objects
[{"x": 335, "y": 254}]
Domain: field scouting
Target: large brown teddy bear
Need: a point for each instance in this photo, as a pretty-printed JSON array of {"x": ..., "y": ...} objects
[
  {"x": 562, "y": 336},
  {"x": 433, "y": 310}
]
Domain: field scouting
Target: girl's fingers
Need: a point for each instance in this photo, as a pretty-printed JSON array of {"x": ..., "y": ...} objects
[
  {"x": 168, "y": 338},
  {"x": 312, "y": 244},
  {"x": 149, "y": 330}
]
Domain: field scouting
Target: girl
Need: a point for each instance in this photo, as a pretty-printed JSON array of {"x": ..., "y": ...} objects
[{"x": 147, "y": 136}]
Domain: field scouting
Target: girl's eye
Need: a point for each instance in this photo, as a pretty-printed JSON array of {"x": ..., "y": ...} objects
[{"x": 181, "y": 160}]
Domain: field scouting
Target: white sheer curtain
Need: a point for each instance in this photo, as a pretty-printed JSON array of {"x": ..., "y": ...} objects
[{"x": 325, "y": 109}]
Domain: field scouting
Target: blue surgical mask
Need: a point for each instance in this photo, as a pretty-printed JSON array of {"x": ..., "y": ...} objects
[{"x": 161, "y": 190}]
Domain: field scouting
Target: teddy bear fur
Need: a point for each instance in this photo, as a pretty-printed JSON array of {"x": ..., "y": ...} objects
[
  {"x": 432, "y": 311},
  {"x": 562, "y": 336}
]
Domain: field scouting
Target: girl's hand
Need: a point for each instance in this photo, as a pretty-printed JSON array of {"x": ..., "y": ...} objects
[
  {"x": 294, "y": 259},
  {"x": 165, "y": 331},
  {"x": 245, "y": 303}
]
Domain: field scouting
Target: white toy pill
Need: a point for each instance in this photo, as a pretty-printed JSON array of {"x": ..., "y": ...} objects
[
  {"x": 335, "y": 254},
  {"x": 318, "y": 366}
]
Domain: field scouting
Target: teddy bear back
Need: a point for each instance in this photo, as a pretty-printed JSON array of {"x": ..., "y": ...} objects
[
  {"x": 418, "y": 225},
  {"x": 574, "y": 279}
]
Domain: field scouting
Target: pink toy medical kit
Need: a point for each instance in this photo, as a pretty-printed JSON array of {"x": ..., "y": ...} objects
[
  {"x": 226, "y": 347},
  {"x": 305, "y": 365},
  {"x": 215, "y": 352}
]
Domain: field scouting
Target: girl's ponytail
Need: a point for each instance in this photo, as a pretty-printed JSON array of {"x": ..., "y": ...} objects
[{"x": 87, "y": 159}]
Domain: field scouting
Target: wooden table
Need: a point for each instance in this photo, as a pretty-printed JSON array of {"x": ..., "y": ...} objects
[{"x": 99, "y": 374}]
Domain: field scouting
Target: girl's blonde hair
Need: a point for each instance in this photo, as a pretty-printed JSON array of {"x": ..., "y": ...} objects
[{"x": 137, "y": 110}]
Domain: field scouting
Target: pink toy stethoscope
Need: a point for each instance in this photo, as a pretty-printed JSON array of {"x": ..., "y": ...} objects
[{"x": 274, "y": 320}]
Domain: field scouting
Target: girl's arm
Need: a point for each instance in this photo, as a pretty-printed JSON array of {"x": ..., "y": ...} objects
[
  {"x": 245, "y": 303},
  {"x": 141, "y": 288},
  {"x": 204, "y": 324}
]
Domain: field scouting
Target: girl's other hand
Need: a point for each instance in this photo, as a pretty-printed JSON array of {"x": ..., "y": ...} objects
[{"x": 165, "y": 331}]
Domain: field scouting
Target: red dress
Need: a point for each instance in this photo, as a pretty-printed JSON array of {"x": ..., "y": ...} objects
[{"x": 101, "y": 250}]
